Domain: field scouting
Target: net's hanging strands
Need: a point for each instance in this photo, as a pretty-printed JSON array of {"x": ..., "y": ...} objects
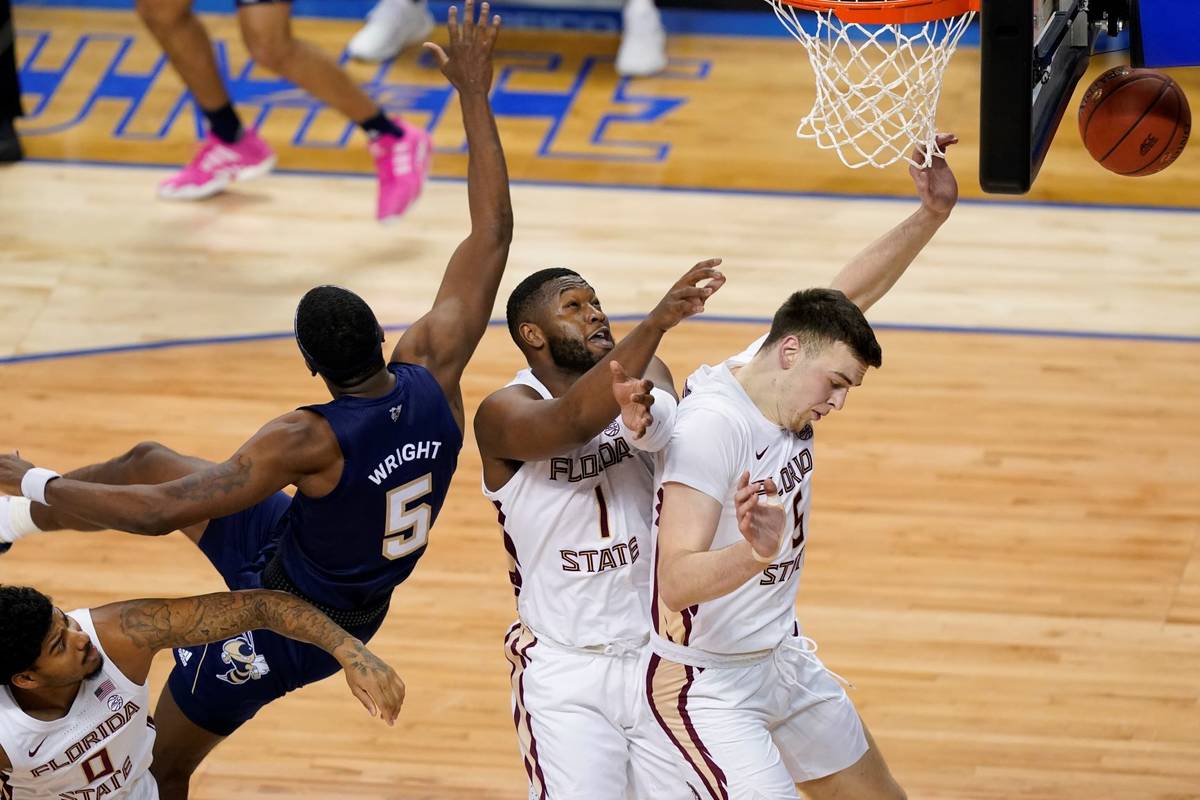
[{"x": 877, "y": 86}]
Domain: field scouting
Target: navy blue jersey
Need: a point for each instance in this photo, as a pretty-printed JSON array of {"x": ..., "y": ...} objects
[{"x": 350, "y": 548}]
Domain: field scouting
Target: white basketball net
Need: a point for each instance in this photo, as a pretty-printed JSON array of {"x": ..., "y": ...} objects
[{"x": 877, "y": 85}]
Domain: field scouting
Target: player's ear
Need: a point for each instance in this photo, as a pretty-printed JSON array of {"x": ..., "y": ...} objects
[
  {"x": 789, "y": 351},
  {"x": 25, "y": 680},
  {"x": 531, "y": 335}
]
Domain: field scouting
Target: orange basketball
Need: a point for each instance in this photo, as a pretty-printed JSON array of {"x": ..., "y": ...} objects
[{"x": 1134, "y": 121}]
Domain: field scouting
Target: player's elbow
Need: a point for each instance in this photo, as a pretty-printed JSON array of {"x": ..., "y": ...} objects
[
  {"x": 153, "y": 516},
  {"x": 497, "y": 229},
  {"x": 151, "y": 523},
  {"x": 671, "y": 591}
]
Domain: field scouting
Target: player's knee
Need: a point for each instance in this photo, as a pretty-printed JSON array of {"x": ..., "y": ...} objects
[
  {"x": 143, "y": 453},
  {"x": 271, "y": 50}
]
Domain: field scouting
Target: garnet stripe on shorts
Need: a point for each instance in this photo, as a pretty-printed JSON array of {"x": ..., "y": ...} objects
[
  {"x": 517, "y": 644},
  {"x": 667, "y": 687}
]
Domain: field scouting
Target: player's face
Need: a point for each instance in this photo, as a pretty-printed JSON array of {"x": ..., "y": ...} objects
[
  {"x": 577, "y": 329},
  {"x": 68, "y": 655},
  {"x": 816, "y": 385}
]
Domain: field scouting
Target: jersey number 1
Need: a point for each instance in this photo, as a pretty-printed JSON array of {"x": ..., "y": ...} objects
[{"x": 407, "y": 525}]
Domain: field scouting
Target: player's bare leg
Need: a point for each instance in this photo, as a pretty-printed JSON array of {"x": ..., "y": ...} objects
[
  {"x": 267, "y": 31},
  {"x": 866, "y": 779},
  {"x": 144, "y": 463},
  {"x": 185, "y": 41},
  {"x": 179, "y": 747},
  {"x": 401, "y": 152}
]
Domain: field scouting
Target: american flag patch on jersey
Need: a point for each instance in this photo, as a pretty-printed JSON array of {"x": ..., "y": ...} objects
[{"x": 105, "y": 689}]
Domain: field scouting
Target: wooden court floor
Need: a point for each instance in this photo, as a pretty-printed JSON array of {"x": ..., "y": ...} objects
[
  {"x": 1004, "y": 561},
  {"x": 1006, "y": 553}
]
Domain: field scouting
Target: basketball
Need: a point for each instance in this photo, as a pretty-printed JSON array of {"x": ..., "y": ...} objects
[{"x": 1134, "y": 122}]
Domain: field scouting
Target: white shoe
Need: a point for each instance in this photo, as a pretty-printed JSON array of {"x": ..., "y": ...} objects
[
  {"x": 643, "y": 50},
  {"x": 391, "y": 26}
]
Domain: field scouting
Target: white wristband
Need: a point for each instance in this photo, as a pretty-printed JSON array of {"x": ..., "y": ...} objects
[
  {"x": 659, "y": 433},
  {"x": 33, "y": 484}
]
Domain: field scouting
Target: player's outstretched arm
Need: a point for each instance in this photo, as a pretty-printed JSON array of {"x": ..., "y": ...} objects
[
  {"x": 688, "y": 571},
  {"x": 445, "y": 338},
  {"x": 515, "y": 425},
  {"x": 282, "y": 453},
  {"x": 134, "y": 630},
  {"x": 874, "y": 271}
]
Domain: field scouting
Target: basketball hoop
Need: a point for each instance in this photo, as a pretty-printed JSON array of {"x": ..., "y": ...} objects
[{"x": 879, "y": 67}]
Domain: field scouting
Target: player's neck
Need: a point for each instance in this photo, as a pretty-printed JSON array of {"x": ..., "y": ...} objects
[
  {"x": 377, "y": 385},
  {"x": 46, "y": 704},
  {"x": 760, "y": 383},
  {"x": 556, "y": 379}
]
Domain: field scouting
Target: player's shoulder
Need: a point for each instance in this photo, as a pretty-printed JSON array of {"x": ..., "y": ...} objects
[
  {"x": 513, "y": 392},
  {"x": 503, "y": 402},
  {"x": 718, "y": 417}
]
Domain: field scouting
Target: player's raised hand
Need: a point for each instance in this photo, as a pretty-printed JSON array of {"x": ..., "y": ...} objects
[
  {"x": 936, "y": 185},
  {"x": 687, "y": 296},
  {"x": 374, "y": 683},
  {"x": 12, "y": 470},
  {"x": 760, "y": 515},
  {"x": 634, "y": 398},
  {"x": 467, "y": 59}
]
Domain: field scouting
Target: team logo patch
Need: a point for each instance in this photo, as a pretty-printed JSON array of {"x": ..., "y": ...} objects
[
  {"x": 184, "y": 656},
  {"x": 395, "y": 411},
  {"x": 115, "y": 702},
  {"x": 806, "y": 432},
  {"x": 246, "y": 664},
  {"x": 613, "y": 428}
]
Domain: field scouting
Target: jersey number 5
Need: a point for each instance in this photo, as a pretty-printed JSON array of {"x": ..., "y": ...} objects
[
  {"x": 407, "y": 524},
  {"x": 798, "y": 515}
]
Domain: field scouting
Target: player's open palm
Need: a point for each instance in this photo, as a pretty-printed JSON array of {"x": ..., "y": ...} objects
[
  {"x": 936, "y": 185},
  {"x": 760, "y": 515},
  {"x": 687, "y": 296},
  {"x": 374, "y": 683},
  {"x": 634, "y": 398},
  {"x": 467, "y": 59}
]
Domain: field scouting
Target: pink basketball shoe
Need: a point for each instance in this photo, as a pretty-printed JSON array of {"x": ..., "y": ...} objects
[
  {"x": 216, "y": 165},
  {"x": 401, "y": 164}
]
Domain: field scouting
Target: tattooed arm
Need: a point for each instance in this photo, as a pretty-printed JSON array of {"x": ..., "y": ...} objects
[
  {"x": 133, "y": 631},
  {"x": 283, "y": 452}
]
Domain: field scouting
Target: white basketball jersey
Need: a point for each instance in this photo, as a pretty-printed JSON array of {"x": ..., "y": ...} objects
[
  {"x": 100, "y": 750},
  {"x": 577, "y": 529},
  {"x": 719, "y": 433}
]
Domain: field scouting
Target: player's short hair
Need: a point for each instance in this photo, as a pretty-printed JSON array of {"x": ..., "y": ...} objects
[
  {"x": 820, "y": 317},
  {"x": 25, "y": 618},
  {"x": 338, "y": 335},
  {"x": 525, "y": 297}
]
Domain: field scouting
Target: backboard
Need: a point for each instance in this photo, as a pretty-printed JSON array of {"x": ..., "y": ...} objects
[{"x": 1033, "y": 53}]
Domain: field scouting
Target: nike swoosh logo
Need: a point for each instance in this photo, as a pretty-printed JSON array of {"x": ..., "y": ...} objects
[
  {"x": 33, "y": 752},
  {"x": 759, "y": 454}
]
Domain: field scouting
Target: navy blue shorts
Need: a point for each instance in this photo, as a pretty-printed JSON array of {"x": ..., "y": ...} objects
[{"x": 221, "y": 685}]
